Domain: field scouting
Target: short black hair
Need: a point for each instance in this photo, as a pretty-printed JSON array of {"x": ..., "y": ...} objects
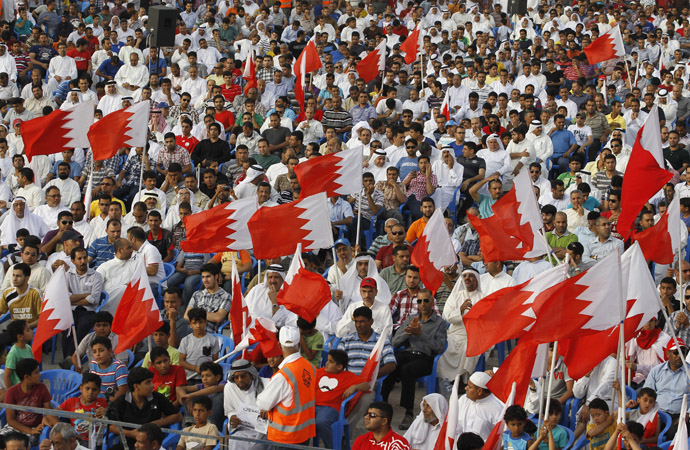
[
  {"x": 102, "y": 340},
  {"x": 25, "y": 367},
  {"x": 152, "y": 431},
  {"x": 647, "y": 391},
  {"x": 103, "y": 316},
  {"x": 340, "y": 357},
  {"x": 599, "y": 404},
  {"x": 137, "y": 376},
  {"x": 302, "y": 324},
  {"x": 158, "y": 352},
  {"x": 515, "y": 413},
  {"x": 211, "y": 366},
  {"x": 196, "y": 314},
  {"x": 90, "y": 377},
  {"x": 16, "y": 436},
  {"x": 385, "y": 408},
  {"x": 470, "y": 441},
  {"x": 15, "y": 328},
  {"x": 635, "y": 428},
  {"x": 204, "y": 401},
  {"x": 362, "y": 311}
]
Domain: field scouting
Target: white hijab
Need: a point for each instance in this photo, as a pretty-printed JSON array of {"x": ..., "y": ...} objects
[
  {"x": 419, "y": 430},
  {"x": 30, "y": 221},
  {"x": 173, "y": 216},
  {"x": 349, "y": 284}
]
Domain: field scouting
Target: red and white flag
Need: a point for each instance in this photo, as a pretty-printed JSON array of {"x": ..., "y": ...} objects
[
  {"x": 448, "y": 434},
  {"x": 335, "y": 174},
  {"x": 680, "y": 440},
  {"x": 307, "y": 62},
  {"x": 445, "y": 106},
  {"x": 370, "y": 371},
  {"x": 249, "y": 73},
  {"x": 512, "y": 378},
  {"x": 305, "y": 221},
  {"x": 303, "y": 292},
  {"x": 239, "y": 312},
  {"x": 412, "y": 44},
  {"x": 583, "y": 353},
  {"x": 660, "y": 242},
  {"x": 433, "y": 252},
  {"x": 58, "y": 131},
  {"x": 56, "y": 312},
  {"x": 262, "y": 331},
  {"x": 646, "y": 163},
  {"x": 495, "y": 439},
  {"x": 509, "y": 312},
  {"x": 221, "y": 228},
  {"x": 607, "y": 46},
  {"x": 122, "y": 128},
  {"x": 137, "y": 302},
  {"x": 512, "y": 232},
  {"x": 373, "y": 64}
]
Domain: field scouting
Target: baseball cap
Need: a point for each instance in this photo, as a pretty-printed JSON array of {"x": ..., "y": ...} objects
[
  {"x": 368, "y": 282},
  {"x": 342, "y": 241},
  {"x": 672, "y": 345},
  {"x": 289, "y": 336},
  {"x": 163, "y": 105}
]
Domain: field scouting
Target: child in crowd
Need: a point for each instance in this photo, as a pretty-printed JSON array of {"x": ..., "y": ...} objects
[
  {"x": 201, "y": 410},
  {"x": 602, "y": 424},
  {"x": 167, "y": 377},
  {"x": 212, "y": 385},
  {"x": 198, "y": 347},
  {"x": 102, "y": 321},
  {"x": 631, "y": 433},
  {"x": 552, "y": 436},
  {"x": 21, "y": 334},
  {"x": 29, "y": 392},
  {"x": 160, "y": 338},
  {"x": 87, "y": 403},
  {"x": 311, "y": 341},
  {"x": 515, "y": 437},
  {"x": 271, "y": 368},
  {"x": 113, "y": 372},
  {"x": 647, "y": 415}
]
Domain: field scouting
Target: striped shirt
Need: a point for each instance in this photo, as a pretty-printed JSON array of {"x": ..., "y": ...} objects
[
  {"x": 359, "y": 351},
  {"x": 113, "y": 376},
  {"x": 336, "y": 119},
  {"x": 101, "y": 251},
  {"x": 211, "y": 303}
]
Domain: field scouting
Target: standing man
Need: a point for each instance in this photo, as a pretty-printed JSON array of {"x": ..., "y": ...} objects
[{"x": 288, "y": 399}]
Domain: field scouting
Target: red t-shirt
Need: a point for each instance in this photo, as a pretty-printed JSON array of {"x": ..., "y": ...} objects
[
  {"x": 166, "y": 384},
  {"x": 330, "y": 386},
  {"x": 230, "y": 91},
  {"x": 80, "y": 58},
  {"x": 38, "y": 396},
  {"x": 187, "y": 142},
  {"x": 391, "y": 441},
  {"x": 74, "y": 404},
  {"x": 226, "y": 118}
]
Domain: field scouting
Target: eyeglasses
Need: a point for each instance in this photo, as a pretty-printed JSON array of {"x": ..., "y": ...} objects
[
  {"x": 425, "y": 300},
  {"x": 411, "y": 146},
  {"x": 375, "y": 146},
  {"x": 613, "y": 200},
  {"x": 67, "y": 222},
  {"x": 53, "y": 196},
  {"x": 372, "y": 415},
  {"x": 397, "y": 233}
]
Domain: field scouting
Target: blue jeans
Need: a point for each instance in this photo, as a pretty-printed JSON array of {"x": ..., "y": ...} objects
[
  {"x": 325, "y": 416},
  {"x": 190, "y": 284}
]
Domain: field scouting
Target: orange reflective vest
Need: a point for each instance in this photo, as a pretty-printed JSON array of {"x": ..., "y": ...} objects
[
  {"x": 285, "y": 4},
  {"x": 295, "y": 424}
]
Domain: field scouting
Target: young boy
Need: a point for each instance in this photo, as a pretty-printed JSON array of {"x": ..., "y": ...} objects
[
  {"x": 647, "y": 415},
  {"x": 201, "y": 410},
  {"x": 515, "y": 437},
  {"x": 160, "y": 338},
  {"x": 552, "y": 435},
  {"x": 167, "y": 377},
  {"x": 198, "y": 347},
  {"x": 632, "y": 436},
  {"x": 212, "y": 385},
  {"x": 113, "y": 372},
  {"x": 87, "y": 403},
  {"x": 602, "y": 424},
  {"x": 29, "y": 392},
  {"x": 328, "y": 399},
  {"x": 21, "y": 334},
  {"x": 311, "y": 342},
  {"x": 575, "y": 165},
  {"x": 102, "y": 321}
]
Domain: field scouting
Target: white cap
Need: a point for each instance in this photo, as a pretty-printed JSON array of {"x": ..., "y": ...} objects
[
  {"x": 479, "y": 379},
  {"x": 289, "y": 336}
]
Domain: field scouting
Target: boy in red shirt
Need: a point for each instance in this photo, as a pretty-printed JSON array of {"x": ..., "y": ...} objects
[
  {"x": 81, "y": 56},
  {"x": 87, "y": 403},
  {"x": 334, "y": 384},
  {"x": 166, "y": 377}
]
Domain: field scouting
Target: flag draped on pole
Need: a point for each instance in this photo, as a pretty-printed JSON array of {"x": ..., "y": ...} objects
[
  {"x": 445, "y": 107},
  {"x": 680, "y": 440},
  {"x": 335, "y": 174},
  {"x": 264, "y": 332},
  {"x": 447, "y": 435},
  {"x": 607, "y": 46},
  {"x": 58, "y": 131},
  {"x": 646, "y": 163},
  {"x": 660, "y": 242},
  {"x": 433, "y": 252},
  {"x": 137, "y": 302},
  {"x": 303, "y": 292},
  {"x": 122, "y": 128},
  {"x": 411, "y": 45},
  {"x": 56, "y": 312},
  {"x": 221, "y": 228},
  {"x": 373, "y": 64},
  {"x": 239, "y": 312},
  {"x": 249, "y": 73},
  {"x": 304, "y": 221},
  {"x": 307, "y": 62}
]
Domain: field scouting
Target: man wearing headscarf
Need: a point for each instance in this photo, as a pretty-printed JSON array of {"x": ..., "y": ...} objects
[
  {"x": 7, "y": 63},
  {"x": 423, "y": 432},
  {"x": 461, "y": 299},
  {"x": 20, "y": 217},
  {"x": 543, "y": 147},
  {"x": 348, "y": 290},
  {"x": 262, "y": 299},
  {"x": 378, "y": 165},
  {"x": 248, "y": 186},
  {"x": 449, "y": 175},
  {"x": 381, "y": 311},
  {"x": 496, "y": 158},
  {"x": 479, "y": 410},
  {"x": 239, "y": 394}
]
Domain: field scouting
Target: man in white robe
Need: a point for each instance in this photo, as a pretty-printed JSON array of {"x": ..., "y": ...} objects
[
  {"x": 131, "y": 78},
  {"x": 111, "y": 101},
  {"x": 262, "y": 301},
  {"x": 117, "y": 273},
  {"x": 479, "y": 410},
  {"x": 243, "y": 385}
]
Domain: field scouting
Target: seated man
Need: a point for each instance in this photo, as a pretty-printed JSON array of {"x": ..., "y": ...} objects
[
  {"x": 22, "y": 301},
  {"x": 347, "y": 291},
  {"x": 381, "y": 311},
  {"x": 241, "y": 390},
  {"x": 213, "y": 299},
  {"x": 667, "y": 379},
  {"x": 377, "y": 421},
  {"x": 424, "y": 431},
  {"x": 262, "y": 299},
  {"x": 117, "y": 273},
  {"x": 39, "y": 274}
]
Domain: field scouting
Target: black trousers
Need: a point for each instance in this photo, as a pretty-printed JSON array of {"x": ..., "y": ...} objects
[
  {"x": 410, "y": 366},
  {"x": 83, "y": 321}
]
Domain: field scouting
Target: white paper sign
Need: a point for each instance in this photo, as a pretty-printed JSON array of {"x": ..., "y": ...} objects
[{"x": 249, "y": 416}]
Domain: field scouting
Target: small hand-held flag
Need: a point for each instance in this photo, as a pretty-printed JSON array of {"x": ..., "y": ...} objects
[
  {"x": 56, "y": 312},
  {"x": 434, "y": 251},
  {"x": 607, "y": 46},
  {"x": 239, "y": 312},
  {"x": 304, "y": 293}
]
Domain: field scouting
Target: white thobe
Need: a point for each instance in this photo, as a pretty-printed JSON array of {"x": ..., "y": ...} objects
[
  {"x": 49, "y": 214},
  {"x": 479, "y": 416},
  {"x": 116, "y": 273},
  {"x": 63, "y": 66},
  {"x": 69, "y": 189},
  {"x": 110, "y": 103}
]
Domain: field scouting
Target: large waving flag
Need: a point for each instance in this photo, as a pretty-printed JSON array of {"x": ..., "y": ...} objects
[
  {"x": 122, "y": 128},
  {"x": 56, "y": 312},
  {"x": 373, "y": 64},
  {"x": 433, "y": 252},
  {"x": 276, "y": 231},
  {"x": 412, "y": 45},
  {"x": 646, "y": 163},
  {"x": 262, "y": 331},
  {"x": 58, "y": 131},
  {"x": 303, "y": 292},
  {"x": 660, "y": 242},
  {"x": 239, "y": 312},
  {"x": 512, "y": 233},
  {"x": 221, "y": 228},
  {"x": 607, "y": 46},
  {"x": 335, "y": 174},
  {"x": 307, "y": 62},
  {"x": 137, "y": 302}
]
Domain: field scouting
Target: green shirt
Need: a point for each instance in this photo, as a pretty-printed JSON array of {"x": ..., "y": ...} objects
[
  {"x": 172, "y": 352},
  {"x": 15, "y": 354},
  {"x": 485, "y": 204},
  {"x": 315, "y": 343},
  {"x": 559, "y": 241},
  {"x": 266, "y": 161},
  {"x": 567, "y": 179}
]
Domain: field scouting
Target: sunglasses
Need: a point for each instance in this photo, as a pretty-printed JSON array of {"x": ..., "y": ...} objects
[
  {"x": 397, "y": 233},
  {"x": 425, "y": 300},
  {"x": 67, "y": 222},
  {"x": 411, "y": 146},
  {"x": 687, "y": 297},
  {"x": 372, "y": 415}
]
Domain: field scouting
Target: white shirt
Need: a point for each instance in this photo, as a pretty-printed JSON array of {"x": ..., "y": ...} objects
[
  {"x": 575, "y": 220},
  {"x": 195, "y": 88},
  {"x": 33, "y": 194},
  {"x": 152, "y": 257},
  {"x": 63, "y": 66},
  {"x": 527, "y": 270},
  {"x": 491, "y": 284},
  {"x": 278, "y": 390},
  {"x": 38, "y": 279},
  {"x": 49, "y": 214},
  {"x": 133, "y": 75},
  {"x": 83, "y": 228},
  {"x": 380, "y": 312},
  {"x": 116, "y": 274},
  {"x": 479, "y": 416},
  {"x": 598, "y": 384},
  {"x": 69, "y": 189},
  {"x": 110, "y": 103}
]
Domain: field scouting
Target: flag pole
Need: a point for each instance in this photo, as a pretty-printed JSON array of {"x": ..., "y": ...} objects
[
  {"x": 674, "y": 336},
  {"x": 541, "y": 394},
  {"x": 550, "y": 384},
  {"x": 359, "y": 210},
  {"x": 141, "y": 172},
  {"x": 76, "y": 344},
  {"x": 150, "y": 341},
  {"x": 621, "y": 340}
]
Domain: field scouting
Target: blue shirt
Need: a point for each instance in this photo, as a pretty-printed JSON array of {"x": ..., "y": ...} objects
[
  {"x": 337, "y": 56},
  {"x": 485, "y": 204},
  {"x": 406, "y": 165},
  {"x": 511, "y": 443},
  {"x": 75, "y": 169},
  {"x": 362, "y": 114},
  {"x": 101, "y": 251},
  {"x": 562, "y": 140},
  {"x": 109, "y": 69},
  {"x": 157, "y": 66},
  {"x": 457, "y": 148},
  {"x": 289, "y": 113},
  {"x": 279, "y": 90},
  {"x": 669, "y": 387},
  {"x": 359, "y": 351}
]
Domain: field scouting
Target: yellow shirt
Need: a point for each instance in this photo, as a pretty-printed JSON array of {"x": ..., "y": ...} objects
[
  {"x": 618, "y": 122},
  {"x": 26, "y": 307},
  {"x": 599, "y": 442},
  {"x": 174, "y": 357},
  {"x": 96, "y": 211}
]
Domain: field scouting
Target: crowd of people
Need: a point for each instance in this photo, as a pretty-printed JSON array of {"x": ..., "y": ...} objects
[{"x": 489, "y": 93}]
